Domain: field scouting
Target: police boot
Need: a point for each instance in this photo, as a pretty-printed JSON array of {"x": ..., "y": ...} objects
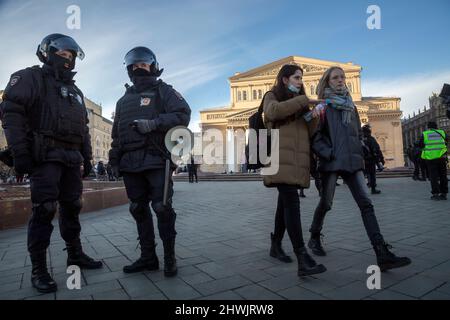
[
  {"x": 306, "y": 265},
  {"x": 387, "y": 260},
  {"x": 277, "y": 251},
  {"x": 147, "y": 261},
  {"x": 170, "y": 263},
  {"x": 40, "y": 278},
  {"x": 76, "y": 256},
  {"x": 315, "y": 245}
]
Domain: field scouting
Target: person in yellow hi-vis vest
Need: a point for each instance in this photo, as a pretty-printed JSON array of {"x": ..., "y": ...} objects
[{"x": 434, "y": 153}]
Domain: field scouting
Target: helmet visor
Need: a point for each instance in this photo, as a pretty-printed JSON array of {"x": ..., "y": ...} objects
[
  {"x": 67, "y": 43},
  {"x": 139, "y": 55}
]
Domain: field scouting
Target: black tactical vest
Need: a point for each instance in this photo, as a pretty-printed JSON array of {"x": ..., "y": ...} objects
[
  {"x": 60, "y": 113},
  {"x": 139, "y": 105}
]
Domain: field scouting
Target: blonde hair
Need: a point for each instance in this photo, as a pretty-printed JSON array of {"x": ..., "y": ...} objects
[{"x": 323, "y": 82}]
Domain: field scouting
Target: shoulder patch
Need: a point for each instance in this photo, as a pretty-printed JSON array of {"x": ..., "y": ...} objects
[
  {"x": 14, "y": 80},
  {"x": 178, "y": 94}
]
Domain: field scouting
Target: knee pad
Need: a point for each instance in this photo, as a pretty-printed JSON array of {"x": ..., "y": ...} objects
[
  {"x": 163, "y": 212},
  {"x": 44, "y": 212},
  {"x": 139, "y": 211},
  {"x": 70, "y": 208},
  {"x": 75, "y": 205}
]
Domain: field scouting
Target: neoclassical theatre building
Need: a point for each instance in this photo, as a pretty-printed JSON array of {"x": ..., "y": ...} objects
[{"x": 248, "y": 88}]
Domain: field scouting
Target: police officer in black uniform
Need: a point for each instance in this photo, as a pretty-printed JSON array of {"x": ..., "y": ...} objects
[
  {"x": 372, "y": 156},
  {"x": 45, "y": 122},
  {"x": 147, "y": 111}
]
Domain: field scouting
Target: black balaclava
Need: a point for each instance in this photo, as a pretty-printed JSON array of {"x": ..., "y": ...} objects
[
  {"x": 58, "y": 65},
  {"x": 142, "y": 79}
]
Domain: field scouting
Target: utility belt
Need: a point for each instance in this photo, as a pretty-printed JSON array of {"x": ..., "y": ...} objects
[
  {"x": 42, "y": 143},
  {"x": 150, "y": 144},
  {"x": 53, "y": 143}
]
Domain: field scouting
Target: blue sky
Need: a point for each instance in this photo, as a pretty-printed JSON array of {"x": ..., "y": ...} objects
[{"x": 200, "y": 44}]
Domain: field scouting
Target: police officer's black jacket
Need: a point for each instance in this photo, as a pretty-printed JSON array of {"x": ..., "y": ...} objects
[
  {"x": 373, "y": 154},
  {"x": 132, "y": 151},
  {"x": 45, "y": 117}
]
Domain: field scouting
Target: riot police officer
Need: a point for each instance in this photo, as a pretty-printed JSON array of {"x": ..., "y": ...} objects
[
  {"x": 372, "y": 157},
  {"x": 45, "y": 122},
  {"x": 147, "y": 111}
]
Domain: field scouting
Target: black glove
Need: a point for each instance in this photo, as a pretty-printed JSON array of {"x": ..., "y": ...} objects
[
  {"x": 143, "y": 126},
  {"x": 115, "y": 171},
  {"x": 87, "y": 168},
  {"x": 23, "y": 163}
]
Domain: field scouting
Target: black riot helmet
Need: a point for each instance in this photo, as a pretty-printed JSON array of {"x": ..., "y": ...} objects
[
  {"x": 57, "y": 42},
  {"x": 145, "y": 55}
]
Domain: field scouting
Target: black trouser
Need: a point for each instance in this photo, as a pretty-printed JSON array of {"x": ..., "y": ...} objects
[
  {"x": 192, "y": 173},
  {"x": 287, "y": 216},
  {"x": 416, "y": 168},
  {"x": 371, "y": 172},
  {"x": 424, "y": 169},
  {"x": 437, "y": 169},
  {"x": 356, "y": 183},
  {"x": 143, "y": 188},
  {"x": 52, "y": 182}
]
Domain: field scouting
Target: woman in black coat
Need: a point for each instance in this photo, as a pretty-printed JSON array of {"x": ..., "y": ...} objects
[{"x": 338, "y": 145}]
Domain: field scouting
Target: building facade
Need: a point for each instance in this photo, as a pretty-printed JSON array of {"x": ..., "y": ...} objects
[
  {"x": 99, "y": 128},
  {"x": 413, "y": 127},
  {"x": 247, "y": 90}
]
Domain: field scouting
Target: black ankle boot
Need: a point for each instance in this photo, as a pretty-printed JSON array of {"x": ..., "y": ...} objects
[
  {"x": 147, "y": 261},
  {"x": 277, "y": 251},
  {"x": 315, "y": 245},
  {"x": 375, "y": 191},
  {"x": 306, "y": 265},
  {"x": 170, "y": 262},
  {"x": 40, "y": 278},
  {"x": 387, "y": 260},
  {"x": 76, "y": 256}
]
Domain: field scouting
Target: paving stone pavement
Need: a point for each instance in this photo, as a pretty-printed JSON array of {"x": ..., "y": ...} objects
[{"x": 223, "y": 243}]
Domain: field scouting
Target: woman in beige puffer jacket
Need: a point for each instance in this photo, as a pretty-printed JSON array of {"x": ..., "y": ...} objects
[{"x": 284, "y": 109}]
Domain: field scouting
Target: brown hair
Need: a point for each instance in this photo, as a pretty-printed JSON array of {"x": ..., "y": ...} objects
[{"x": 279, "y": 88}]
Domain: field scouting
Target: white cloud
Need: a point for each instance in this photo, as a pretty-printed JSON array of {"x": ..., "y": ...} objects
[{"x": 414, "y": 89}]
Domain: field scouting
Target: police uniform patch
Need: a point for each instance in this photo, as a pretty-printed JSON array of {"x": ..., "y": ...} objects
[
  {"x": 178, "y": 94},
  {"x": 145, "y": 101},
  {"x": 14, "y": 80}
]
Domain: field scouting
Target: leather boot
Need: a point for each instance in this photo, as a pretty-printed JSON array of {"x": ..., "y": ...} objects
[
  {"x": 170, "y": 262},
  {"x": 375, "y": 191},
  {"x": 76, "y": 256},
  {"x": 277, "y": 251},
  {"x": 306, "y": 265},
  {"x": 147, "y": 261},
  {"x": 387, "y": 260},
  {"x": 40, "y": 278},
  {"x": 315, "y": 245}
]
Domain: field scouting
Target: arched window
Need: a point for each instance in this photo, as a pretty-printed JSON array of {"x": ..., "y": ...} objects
[
  {"x": 244, "y": 95},
  {"x": 239, "y": 96},
  {"x": 312, "y": 90},
  {"x": 259, "y": 94},
  {"x": 255, "y": 95}
]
